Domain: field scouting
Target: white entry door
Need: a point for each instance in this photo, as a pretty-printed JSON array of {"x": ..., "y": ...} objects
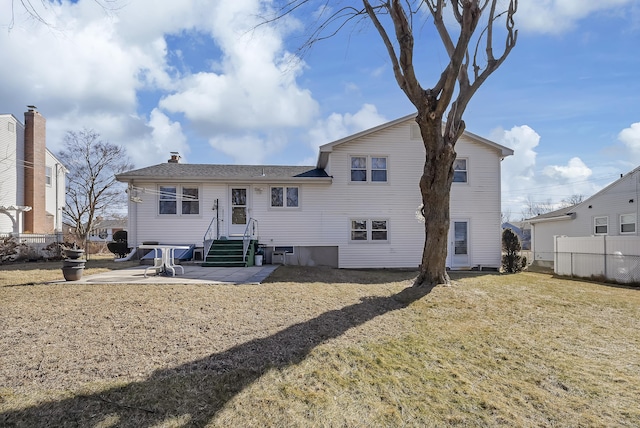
[
  {"x": 459, "y": 244},
  {"x": 239, "y": 212}
]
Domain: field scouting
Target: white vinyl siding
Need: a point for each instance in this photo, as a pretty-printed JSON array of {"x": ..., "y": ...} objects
[
  {"x": 613, "y": 202},
  {"x": 326, "y": 209},
  {"x": 11, "y": 178}
]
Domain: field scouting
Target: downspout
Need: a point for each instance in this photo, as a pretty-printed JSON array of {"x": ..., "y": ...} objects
[
  {"x": 217, "y": 208},
  {"x": 57, "y": 206}
]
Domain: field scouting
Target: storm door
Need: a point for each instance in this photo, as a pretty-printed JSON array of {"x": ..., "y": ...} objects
[
  {"x": 239, "y": 197},
  {"x": 459, "y": 244}
]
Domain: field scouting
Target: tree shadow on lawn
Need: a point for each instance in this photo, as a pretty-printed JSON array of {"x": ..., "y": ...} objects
[
  {"x": 329, "y": 275},
  {"x": 198, "y": 390}
]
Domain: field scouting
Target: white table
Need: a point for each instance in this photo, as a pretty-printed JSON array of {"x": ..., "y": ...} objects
[{"x": 164, "y": 263}]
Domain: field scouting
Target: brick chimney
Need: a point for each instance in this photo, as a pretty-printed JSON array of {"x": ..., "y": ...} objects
[
  {"x": 175, "y": 157},
  {"x": 35, "y": 221}
]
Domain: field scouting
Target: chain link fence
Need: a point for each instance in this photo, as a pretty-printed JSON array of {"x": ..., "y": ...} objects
[{"x": 617, "y": 267}]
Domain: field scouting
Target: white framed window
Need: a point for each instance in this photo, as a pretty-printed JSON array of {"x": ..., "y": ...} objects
[
  {"x": 372, "y": 169},
  {"x": 460, "y": 171},
  {"x": 368, "y": 230},
  {"x": 378, "y": 169},
  {"x": 172, "y": 197},
  {"x": 627, "y": 223},
  {"x": 600, "y": 225},
  {"x": 285, "y": 197},
  {"x": 48, "y": 175},
  {"x": 190, "y": 200}
]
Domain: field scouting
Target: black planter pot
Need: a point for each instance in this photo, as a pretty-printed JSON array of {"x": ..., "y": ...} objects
[
  {"x": 77, "y": 263},
  {"x": 72, "y": 253},
  {"x": 73, "y": 273},
  {"x": 73, "y": 265}
]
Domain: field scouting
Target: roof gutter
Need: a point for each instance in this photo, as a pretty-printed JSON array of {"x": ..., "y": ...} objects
[
  {"x": 182, "y": 179},
  {"x": 568, "y": 216}
]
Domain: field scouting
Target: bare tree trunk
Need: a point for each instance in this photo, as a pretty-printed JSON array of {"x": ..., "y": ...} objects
[
  {"x": 435, "y": 185},
  {"x": 471, "y": 62}
]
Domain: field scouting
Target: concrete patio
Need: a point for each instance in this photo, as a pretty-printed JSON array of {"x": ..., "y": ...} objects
[{"x": 193, "y": 274}]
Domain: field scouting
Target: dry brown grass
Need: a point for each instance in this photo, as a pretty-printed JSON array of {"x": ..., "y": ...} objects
[
  {"x": 320, "y": 347},
  {"x": 32, "y": 273}
]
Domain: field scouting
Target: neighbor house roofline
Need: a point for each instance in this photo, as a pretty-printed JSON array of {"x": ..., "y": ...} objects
[
  {"x": 565, "y": 213},
  {"x": 606, "y": 188}
]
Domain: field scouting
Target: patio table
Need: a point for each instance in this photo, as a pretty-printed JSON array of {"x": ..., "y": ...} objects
[{"x": 164, "y": 263}]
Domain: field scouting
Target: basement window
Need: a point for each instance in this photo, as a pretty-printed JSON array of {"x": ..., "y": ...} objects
[{"x": 368, "y": 230}]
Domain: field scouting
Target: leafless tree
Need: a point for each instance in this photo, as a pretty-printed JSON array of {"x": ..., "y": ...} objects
[
  {"x": 535, "y": 208},
  {"x": 92, "y": 188},
  {"x": 466, "y": 30},
  {"x": 572, "y": 200},
  {"x": 35, "y": 9}
]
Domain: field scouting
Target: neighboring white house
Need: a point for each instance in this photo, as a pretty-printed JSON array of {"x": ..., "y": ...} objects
[
  {"x": 613, "y": 211},
  {"x": 355, "y": 208},
  {"x": 103, "y": 229},
  {"x": 32, "y": 179}
]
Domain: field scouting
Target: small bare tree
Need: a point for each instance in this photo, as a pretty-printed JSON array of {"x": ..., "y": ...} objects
[
  {"x": 574, "y": 199},
  {"x": 35, "y": 9},
  {"x": 92, "y": 188},
  {"x": 471, "y": 60}
]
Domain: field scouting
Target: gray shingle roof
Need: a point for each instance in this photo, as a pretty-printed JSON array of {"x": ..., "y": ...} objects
[
  {"x": 554, "y": 214},
  {"x": 185, "y": 171}
]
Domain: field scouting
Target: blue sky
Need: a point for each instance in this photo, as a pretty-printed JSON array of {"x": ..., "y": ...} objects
[{"x": 190, "y": 76}]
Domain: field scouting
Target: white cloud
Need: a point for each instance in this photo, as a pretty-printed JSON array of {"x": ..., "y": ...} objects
[
  {"x": 557, "y": 16},
  {"x": 338, "y": 126},
  {"x": 630, "y": 137},
  {"x": 87, "y": 68},
  {"x": 165, "y": 137},
  {"x": 575, "y": 170},
  {"x": 518, "y": 171},
  {"x": 247, "y": 149},
  {"x": 256, "y": 85},
  {"x": 523, "y": 181}
]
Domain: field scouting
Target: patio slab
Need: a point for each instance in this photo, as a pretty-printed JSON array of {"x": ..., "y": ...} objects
[{"x": 193, "y": 274}]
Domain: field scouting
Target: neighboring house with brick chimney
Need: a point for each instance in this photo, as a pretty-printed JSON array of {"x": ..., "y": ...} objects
[{"x": 32, "y": 179}]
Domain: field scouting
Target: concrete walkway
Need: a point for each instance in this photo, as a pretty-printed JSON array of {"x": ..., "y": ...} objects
[{"x": 193, "y": 274}]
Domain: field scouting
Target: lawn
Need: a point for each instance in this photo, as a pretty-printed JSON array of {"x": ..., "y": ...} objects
[{"x": 318, "y": 347}]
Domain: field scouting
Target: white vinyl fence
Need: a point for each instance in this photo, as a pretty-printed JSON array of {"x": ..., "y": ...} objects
[{"x": 615, "y": 258}]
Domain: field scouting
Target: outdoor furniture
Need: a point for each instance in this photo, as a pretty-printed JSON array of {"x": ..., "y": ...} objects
[{"x": 163, "y": 257}]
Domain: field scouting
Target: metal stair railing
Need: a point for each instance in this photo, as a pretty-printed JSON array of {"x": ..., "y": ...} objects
[
  {"x": 250, "y": 232},
  {"x": 208, "y": 238}
]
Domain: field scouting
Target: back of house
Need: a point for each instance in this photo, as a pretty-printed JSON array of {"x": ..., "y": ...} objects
[{"x": 358, "y": 207}]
